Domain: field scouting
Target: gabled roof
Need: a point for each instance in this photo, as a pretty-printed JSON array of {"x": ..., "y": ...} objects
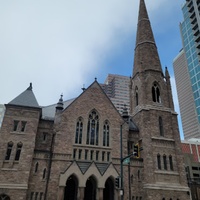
[
  {"x": 100, "y": 88},
  {"x": 26, "y": 98}
]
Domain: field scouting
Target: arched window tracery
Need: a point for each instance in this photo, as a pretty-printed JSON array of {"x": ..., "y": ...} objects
[
  {"x": 156, "y": 93},
  {"x": 79, "y": 131},
  {"x": 93, "y": 129}
]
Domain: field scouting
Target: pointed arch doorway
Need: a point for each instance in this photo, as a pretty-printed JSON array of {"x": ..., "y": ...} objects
[
  {"x": 90, "y": 189},
  {"x": 71, "y": 188},
  {"x": 4, "y": 197},
  {"x": 108, "y": 191}
]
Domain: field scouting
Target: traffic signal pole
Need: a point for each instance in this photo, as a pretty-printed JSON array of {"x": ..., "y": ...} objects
[
  {"x": 135, "y": 153},
  {"x": 121, "y": 162}
]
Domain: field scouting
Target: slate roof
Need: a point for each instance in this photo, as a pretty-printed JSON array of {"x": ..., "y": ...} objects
[
  {"x": 26, "y": 98},
  {"x": 48, "y": 112}
]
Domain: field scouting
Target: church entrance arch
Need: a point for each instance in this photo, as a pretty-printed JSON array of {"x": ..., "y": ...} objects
[
  {"x": 71, "y": 188},
  {"x": 90, "y": 189},
  {"x": 108, "y": 191},
  {"x": 4, "y": 197}
]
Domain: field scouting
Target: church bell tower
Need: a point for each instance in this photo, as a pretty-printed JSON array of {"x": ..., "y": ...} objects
[{"x": 152, "y": 109}]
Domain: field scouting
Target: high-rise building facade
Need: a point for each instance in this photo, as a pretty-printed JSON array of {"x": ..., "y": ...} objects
[
  {"x": 190, "y": 32},
  {"x": 117, "y": 88},
  {"x": 187, "y": 105}
]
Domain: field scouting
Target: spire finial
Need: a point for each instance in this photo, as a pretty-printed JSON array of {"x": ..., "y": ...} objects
[
  {"x": 95, "y": 78},
  {"x": 30, "y": 87},
  {"x": 146, "y": 55},
  {"x": 83, "y": 88}
]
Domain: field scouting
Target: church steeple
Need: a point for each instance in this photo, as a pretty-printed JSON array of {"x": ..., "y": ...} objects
[{"x": 146, "y": 54}]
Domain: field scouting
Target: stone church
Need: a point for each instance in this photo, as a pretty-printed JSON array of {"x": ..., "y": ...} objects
[{"x": 72, "y": 150}]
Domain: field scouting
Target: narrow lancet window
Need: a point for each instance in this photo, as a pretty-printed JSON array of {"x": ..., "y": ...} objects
[
  {"x": 36, "y": 167},
  {"x": 156, "y": 93},
  {"x": 9, "y": 150},
  {"x": 79, "y": 131},
  {"x": 159, "y": 161},
  {"x": 136, "y": 96},
  {"x": 44, "y": 173},
  {"x": 106, "y": 134},
  {"x": 171, "y": 163},
  {"x": 165, "y": 162},
  {"x": 93, "y": 129},
  {"x": 18, "y": 151},
  {"x": 161, "y": 126}
]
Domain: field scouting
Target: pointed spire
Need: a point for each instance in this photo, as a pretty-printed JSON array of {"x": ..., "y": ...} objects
[
  {"x": 167, "y": 73},
  {"x": 146, "y": 54}
]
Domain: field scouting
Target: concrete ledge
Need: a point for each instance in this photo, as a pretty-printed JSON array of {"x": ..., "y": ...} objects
[
  {"x": 164, "y": 186},
  {"x": 14, "y": 186}
]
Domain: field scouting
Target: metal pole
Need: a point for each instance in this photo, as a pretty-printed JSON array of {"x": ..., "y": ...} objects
[{"x": 121, "y": 162}]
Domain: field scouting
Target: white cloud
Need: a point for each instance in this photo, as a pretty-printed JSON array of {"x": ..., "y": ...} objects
[{"x": 59, "y": 45}]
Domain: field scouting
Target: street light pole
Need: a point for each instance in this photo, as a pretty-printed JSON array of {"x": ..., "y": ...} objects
[{"x": 121, "y": 164}]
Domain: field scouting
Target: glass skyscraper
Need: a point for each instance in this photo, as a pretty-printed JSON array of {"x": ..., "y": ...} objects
[{"x": 190, "y": 32}]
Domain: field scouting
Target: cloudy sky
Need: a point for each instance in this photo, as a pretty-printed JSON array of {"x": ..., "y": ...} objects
[{"x": 61, "y": 45}]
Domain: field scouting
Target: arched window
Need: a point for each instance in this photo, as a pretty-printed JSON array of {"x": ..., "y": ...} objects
[
  {"x": 4, "y": 197},
  {"x": 161, "y": 126},
  {"x": 79, "y": 131},
  {"x": 171, "y": 163},
  {"x": 136, "y": 96},
  {"x": 36, "y": 167},
  {"x": 18, "y": 151},
  {"x": 106, "y": 134},
  {"x": 159, "y": 161},
  {"x": 156, "y": 93},
  {"x": 44, "y": 173},
  {"x": 93, "y": 129},
  {"x": 165, "y": 162},
  {"x": 9, "y": 150}
]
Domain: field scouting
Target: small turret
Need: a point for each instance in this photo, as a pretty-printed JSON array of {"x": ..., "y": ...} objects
[
  {"x": 167, "y": 76},
  {"x": 59, "y": 106},
  {"x": 125, "y": 113}
]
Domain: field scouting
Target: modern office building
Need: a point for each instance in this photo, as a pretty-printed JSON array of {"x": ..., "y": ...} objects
[
  {"x": 190, "y": 123},
  {"x": 190, "y": 32},
  {"x": 117, "y": 88},
  {"x": 191, "y": 152}
]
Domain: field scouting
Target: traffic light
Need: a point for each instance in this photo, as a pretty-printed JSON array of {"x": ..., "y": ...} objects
[
  {"x": 136, "y": 150},
  {"x": 118, "y": 182}
]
